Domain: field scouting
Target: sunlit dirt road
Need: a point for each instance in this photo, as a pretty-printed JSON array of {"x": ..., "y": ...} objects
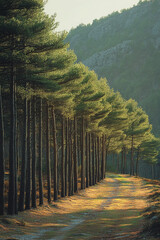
[{"x": 110, "y": 210}]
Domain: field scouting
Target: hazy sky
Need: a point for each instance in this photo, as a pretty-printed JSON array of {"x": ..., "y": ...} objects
[{"x": 71, "y": 13}]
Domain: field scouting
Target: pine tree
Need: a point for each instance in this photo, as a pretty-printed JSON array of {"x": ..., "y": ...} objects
[
  {"x": 115, "y": 122},
  {"x": 138, "y": 127},
  {"x": 148, "y": 150}
]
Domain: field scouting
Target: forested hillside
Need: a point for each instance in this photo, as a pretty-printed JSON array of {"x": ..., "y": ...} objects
[{"x": 125, "y": 48}]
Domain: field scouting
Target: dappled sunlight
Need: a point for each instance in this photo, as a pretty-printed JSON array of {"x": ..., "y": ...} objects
[
  {"x": 53, "y": 225},
  {"x": 124, "y": 225},
  {"x": 2, "y": 228},
  {"x": 109, "y": 208},
  {"x": 123, "y": 203}
]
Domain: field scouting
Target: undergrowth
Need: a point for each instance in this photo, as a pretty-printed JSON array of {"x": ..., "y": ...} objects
[{"x": 152, "y": 214}]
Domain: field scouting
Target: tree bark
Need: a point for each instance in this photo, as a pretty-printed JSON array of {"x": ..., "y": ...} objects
[
  {"x": 40, "y": 156},
  {"x": 83, "y": 156},
  {"x": 96, "y": 160},
  {"x": 71, "y": 161},
  {"x": 87, "y": 159},
  {"x": 90, "y": 160},
  {"x": 106, "y": 158},
  {"x": 48, "y": 153},
  {"x": 55, "y": 157},
  {"x": 24, "y": 160},
  {"x": 15, "y": 152},
  {"x": 125, "y": 161},
  {"x": 34, "y": 154},
  {"x": 132, "y": 160},
  {"x": 137, "y": 161},
  {"x": 12, "y": 161},
  {"x": 103, "y": 157},
  {"x": 75, "y": 157},
  {"x": 29, "y": 160},
  {"x": 122, "y": 160},
  {"x": 2, "y": 160},
  {"x": 99, "y": 157},
  {"x": 15, "y": 155},
  {"x": 117, "y": 163},
  {"x": 66, "y": 159},
  {"x": 63, "y": 160},
  {"x": 93, "y": 160}
]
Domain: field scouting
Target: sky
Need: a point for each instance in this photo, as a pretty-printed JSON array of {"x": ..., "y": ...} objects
[{"x": 71, "y": 13}]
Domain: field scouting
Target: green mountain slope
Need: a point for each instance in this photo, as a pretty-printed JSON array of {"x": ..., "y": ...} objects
[{"x": 125, "y": 48}]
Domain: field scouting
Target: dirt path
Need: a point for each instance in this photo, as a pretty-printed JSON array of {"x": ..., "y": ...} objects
[{"x": 109, "y": 210}]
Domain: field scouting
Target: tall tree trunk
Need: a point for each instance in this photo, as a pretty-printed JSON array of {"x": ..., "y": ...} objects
[
  {"x": 100, "y": 158},
  {"x": 71, "y": 161},
  {"x": 24, "y": 159},
  {"x": 55, "y": 157},
  {"x": 125, "y": 161},
  {"x": 107, "y": 147},
  {"x": 75, "y": 157},
  {"x": 29, "y": 159},
  {"x": 12, "y": 160},
  {"x": 93, "y": 159},
  {"x": 15, "y": 153},
  {"x": 113, "y": 159},
  {"x": 66, "y": 159},
  {"x": 34, "y": 154},
  {"x": 132, "y": 159},
  {"x": 87, "y": 159},
  {"x": 122, "y": 160},
  {"x": 106, "y": 158},
  {"x": 83, "y": 156},
  {"x": 69, "y": 158},
  {"x": 90, "y": 161},
  {"x": 63, "y": 160},
  {"x": 18, "y": 146},
  {"x": 48, "y": 153},
  {"x": 40, "y": 156},
  {"x": 2, "y": 160},
  {"x": 117, "y": 163},
  {"x": 103, "y": 157},
  {"x": 137, "y": 161},
  {"x": 96, "y": 159},
  {"x": 98, "y": 154}
]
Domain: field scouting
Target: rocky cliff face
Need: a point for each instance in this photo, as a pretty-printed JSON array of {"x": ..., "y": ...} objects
[
  {"x": 108, "y": 57},
  {"x": 125, "y": 48}
]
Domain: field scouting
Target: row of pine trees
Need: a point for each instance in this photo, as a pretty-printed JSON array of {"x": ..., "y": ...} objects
[{"x": 58, "y": 121}]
